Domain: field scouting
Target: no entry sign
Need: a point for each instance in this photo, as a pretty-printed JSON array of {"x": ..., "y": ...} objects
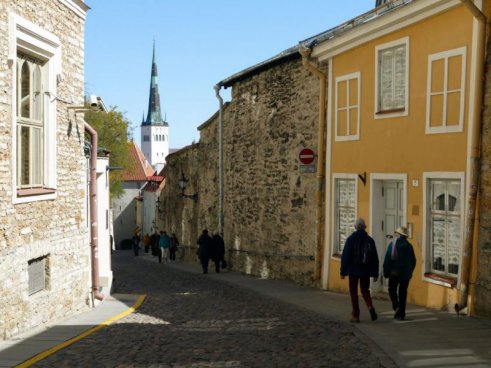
[{"x": 306, "y": 156}]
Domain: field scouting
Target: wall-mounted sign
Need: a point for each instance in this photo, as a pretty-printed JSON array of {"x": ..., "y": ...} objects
[
  {"x": 306, "y": 156},
  {"x": 307, "y": 169}
]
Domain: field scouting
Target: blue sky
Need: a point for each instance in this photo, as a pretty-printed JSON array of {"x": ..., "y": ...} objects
[{"x": 198, "y": 44}]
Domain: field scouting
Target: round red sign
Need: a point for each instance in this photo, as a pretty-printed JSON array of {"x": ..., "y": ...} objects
[{"x": 306, "y": 156}]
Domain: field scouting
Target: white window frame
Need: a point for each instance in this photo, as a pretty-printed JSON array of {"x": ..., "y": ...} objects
[
  {"x": 381, "y": 114},
  {"x": 426, "y": 254},
  {"x": 445, "y": 55},
  {"x": 346, "y": 79},
  {"x": 337, "y": 248},
  {"x": 33, "y": 40}
]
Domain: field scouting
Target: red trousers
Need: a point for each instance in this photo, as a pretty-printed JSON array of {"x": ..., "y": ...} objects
[{"x": 365, "y": 293}]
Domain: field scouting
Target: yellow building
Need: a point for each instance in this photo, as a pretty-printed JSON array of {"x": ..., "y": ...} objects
[{"x": 404, "y": 93}]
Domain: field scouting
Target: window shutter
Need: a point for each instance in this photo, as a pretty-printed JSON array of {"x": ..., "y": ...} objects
[
  {"x": 400, "y": 77},
  {"x": 386, "y": 79}
]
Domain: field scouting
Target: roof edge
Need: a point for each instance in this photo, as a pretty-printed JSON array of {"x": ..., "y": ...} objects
[{"x": 288, "y": 54}]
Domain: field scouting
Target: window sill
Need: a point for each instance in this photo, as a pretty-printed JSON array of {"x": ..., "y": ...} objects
[
  {"x": 34, "y": 192},
  {"x": 21, "y": 193},
  {"x": 441, "y": 280},
  {"x": 392, "y": 111}
]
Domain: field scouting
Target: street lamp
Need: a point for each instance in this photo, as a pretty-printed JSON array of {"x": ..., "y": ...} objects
[{"x": 183, "y": 183}]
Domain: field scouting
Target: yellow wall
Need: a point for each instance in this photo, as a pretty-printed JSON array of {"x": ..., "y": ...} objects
[{"x": 400, "y": 144}]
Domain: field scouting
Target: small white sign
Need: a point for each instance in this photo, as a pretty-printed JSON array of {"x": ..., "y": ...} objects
[
  {"x": 415, "y": 183},
  {"x": 307, "y": 169}
]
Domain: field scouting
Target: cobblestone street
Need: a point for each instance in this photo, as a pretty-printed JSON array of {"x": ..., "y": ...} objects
[{"x": 192, "y": 320}]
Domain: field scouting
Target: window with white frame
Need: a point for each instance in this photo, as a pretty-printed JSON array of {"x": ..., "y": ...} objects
[
  {"x": 344, "y": 210},
  {"x": 446, "y": 91},
  {"x": 444, "y": 225},
  {"x": 392, "y": 69},
  {"x": 30, "y": 122},
  {"x": 35, "y": 56},
  {"x": 348, "y": 107}
]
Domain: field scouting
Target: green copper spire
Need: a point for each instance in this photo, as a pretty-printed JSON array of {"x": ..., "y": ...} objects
[{"x": 154, "y": 116}]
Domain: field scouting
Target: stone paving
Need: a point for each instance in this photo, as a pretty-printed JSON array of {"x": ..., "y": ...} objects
[{"x": 191, "y": 320}]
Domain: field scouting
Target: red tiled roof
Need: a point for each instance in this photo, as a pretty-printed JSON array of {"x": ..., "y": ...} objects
[
  {"x": 138, "y": 168},
  {"x": 154, "y": 184}
]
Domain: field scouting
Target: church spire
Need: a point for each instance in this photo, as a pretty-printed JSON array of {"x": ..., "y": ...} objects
[{"x": 154, "y": 117}]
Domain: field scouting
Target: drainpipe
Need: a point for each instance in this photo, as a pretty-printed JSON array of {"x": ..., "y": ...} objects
[
  {"x": 220, "y": 160},
  {"x": 471, "y": 238},
  {"x": 94, "y": 243},
  {"x": 319, "y": 251}
]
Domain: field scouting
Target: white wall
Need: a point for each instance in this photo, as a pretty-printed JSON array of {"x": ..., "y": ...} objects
[
  {"x": 104, "y": 230},
  {"x": 124, "y": 212}
]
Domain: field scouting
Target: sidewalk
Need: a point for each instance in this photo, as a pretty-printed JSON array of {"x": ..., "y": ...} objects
[
  {"x": 21, "y": 348},
  {"x": 428, "y": 338}
]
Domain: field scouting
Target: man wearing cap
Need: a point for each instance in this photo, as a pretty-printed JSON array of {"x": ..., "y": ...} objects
[
  {"x": 359, "y": 261},
  {"x": 399, "y": 264}
]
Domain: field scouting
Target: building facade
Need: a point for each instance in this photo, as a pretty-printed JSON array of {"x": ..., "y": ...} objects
[
  {"x": 128, "y": 208},
  {"x": 44, "y": 243},
  {"x": 403, "y": 124}
]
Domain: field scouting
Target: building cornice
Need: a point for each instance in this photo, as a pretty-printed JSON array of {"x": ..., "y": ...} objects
[
  {"x": 411, "y": 13},
  {"x": 77, "y": 6}
]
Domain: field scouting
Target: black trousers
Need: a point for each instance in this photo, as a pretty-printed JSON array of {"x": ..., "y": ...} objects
[
  {"x": 398, "y": 294},
  {"x": 172, "y": 253},
  {"x": 204, "y": 263}
]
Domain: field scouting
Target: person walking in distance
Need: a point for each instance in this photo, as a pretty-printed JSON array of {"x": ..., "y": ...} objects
[
  {"x": 154, "y": 244},
  {"x": 399, "y": 264},
  {"x": 135, "y": 241},
  {"x": 205, "y": 248},
  {"x": 146, "y": 242},
  {"x": 174, "y": 243},
  {"x": 218, "y": 251},
  {"x": 359, "y": 262},
  {"x": 164, "y": 244}
]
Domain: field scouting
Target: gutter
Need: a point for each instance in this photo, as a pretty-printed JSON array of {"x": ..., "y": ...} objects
[
  {"x": 471, "y": 234},
  {"x": 220, "y": 160},
  {"x": 319, "y": 251},
  {"x": 94, "y": 242}
]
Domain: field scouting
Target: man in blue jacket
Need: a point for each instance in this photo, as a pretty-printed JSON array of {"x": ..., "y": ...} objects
[
  {"x": 359, "y": 261},
  {"x": 399, "y": 264}
]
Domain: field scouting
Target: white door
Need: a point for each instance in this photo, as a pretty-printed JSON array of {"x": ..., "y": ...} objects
[{"x": 390, "y": 201}]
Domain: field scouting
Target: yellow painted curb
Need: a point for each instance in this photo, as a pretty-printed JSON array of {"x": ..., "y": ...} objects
[{"x": 54, "y": 349}]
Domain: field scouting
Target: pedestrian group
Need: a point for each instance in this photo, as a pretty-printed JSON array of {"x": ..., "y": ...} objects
[
  {"x": 360, "y": 262},
  {"x": 211, "y": 248}
]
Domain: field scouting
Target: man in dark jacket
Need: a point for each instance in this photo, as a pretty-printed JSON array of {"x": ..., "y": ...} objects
[
  {"x": 399, "y": 264},
  {"x": 359, "y": 261},
  {"x": 205, "y": 250},
  {"x": 218, "y": 251}
]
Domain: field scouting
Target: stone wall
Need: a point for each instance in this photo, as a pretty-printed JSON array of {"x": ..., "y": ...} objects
[
  {"x": 55, "y": 229},
  {"x": 483, "y": 284},
  {"x": 269, "y": 206}
]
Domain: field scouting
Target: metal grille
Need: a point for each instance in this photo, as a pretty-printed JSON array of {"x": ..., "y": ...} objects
[{"x": 36, "y": 270}]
